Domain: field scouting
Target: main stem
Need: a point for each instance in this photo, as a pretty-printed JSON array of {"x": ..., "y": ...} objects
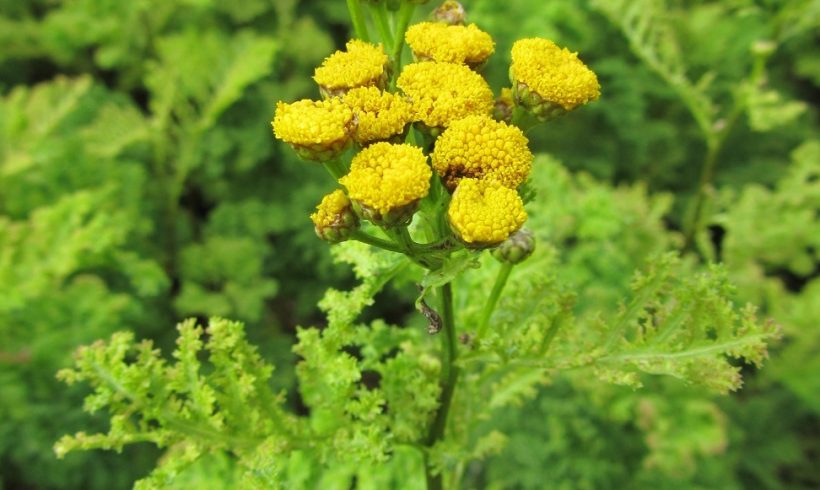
[
  {"x": 706, "y": 175},
  {"x": 449, "y": 378}
]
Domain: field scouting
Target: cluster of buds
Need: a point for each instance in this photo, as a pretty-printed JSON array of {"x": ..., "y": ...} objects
[{"x": 432, "y": 130}]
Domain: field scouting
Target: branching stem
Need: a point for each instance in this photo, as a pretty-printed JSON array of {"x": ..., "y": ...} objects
[
  {"x": 363, "y": 237},
  {"x": 492, "y": 301}
]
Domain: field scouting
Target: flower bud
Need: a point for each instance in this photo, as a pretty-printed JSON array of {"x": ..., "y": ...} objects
[
  {"x": 450, "y": 12},
  {"x": 517, "y": 248},
  {"x": 334, "y": 219}
]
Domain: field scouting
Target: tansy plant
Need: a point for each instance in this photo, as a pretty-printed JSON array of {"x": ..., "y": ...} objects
[{"x": 430, "y": 185}]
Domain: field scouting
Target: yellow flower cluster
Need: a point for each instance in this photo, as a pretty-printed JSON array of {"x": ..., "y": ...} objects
[
  {"x": 556, "y": 75},
  {"x": 480, "y": 147},
  {"x": 484, "y": 212},
  {"x": 362, "y": 65},
  {"x": 444, "y": 92},
  {"x": 318, "y": 130},
  {"x": 380, "y": 115},
  {"x": 450, "y": 43},
  {"x": 384, "y": 176}
]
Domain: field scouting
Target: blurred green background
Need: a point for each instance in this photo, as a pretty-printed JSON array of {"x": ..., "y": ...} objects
[{"x": 140, "y": 184}]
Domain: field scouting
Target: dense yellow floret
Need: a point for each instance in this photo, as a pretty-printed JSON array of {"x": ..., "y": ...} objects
[
  {"x": 450, "y": 43},
  {"x": 314, "y": 126},
  {"x": 485, "y": 212},
  {"x": 328, "y": 211},
  {"x": 380, "y": 114},
  {"x": 479, "y": 147},
  {"x": 444, "y": 92},
  {"x": 385, "y": 176},
  {"x": 555, "y": 74},
  {"x": 363, "y": 64}
]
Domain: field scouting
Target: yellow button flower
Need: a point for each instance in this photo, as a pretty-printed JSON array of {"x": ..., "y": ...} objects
[
  {"x": 334, "y": 219},
  {"x": 479, "y": 147},
  {"x": 450, "y": 43},
  {"x": 444, "y": 92},
  {"x": 317, "y": 130},
  {"x": 381, "y": 115},
  {"x": 362, "y": 65},
  {"x": 484, "y": 212},
  {"x": 386, "y": 181},
  {"x": 545, "y": 75}
]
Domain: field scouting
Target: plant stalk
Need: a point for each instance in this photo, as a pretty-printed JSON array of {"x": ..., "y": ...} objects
[
  {"x": 357, "y": 16},
  {"x": 405, "y": 15},
  {"x": 336, "y": 168},
  {"x": 449, "y": 378},
  {"x": 363, "y": 237},
  {"x": 492, "y": 301},
  {"x": 383, "y": 25}
]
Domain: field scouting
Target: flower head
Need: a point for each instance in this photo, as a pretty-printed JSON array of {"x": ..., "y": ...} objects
[
  {"x": 362, "y": 65},
  {"x": 317, "y": 130},
  {"x": 334, "y": 219},
  {"x": 480, "y": 147},
  {"x": 485, "y": 212},
  {"x": 450, "y": 43},
  {"x": 544, "y": 74},
  {"x": 386, "y": 181},
  {"x": 380, "y": 115},
  {"x": 444, "y": 92}
]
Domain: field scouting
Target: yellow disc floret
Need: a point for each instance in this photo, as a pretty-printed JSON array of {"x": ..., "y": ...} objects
[
  {"x": 555, "y": 74},
  {"x": 485, "y": 212},
  {"x": 362, "y": 65},
  {"x": 318, "y": 130},
  {"x": 444, "y": 92},
  {"x": 480, "y": 147},
  {"x": 384, "y": 177},
  {"x": 381, "y": 115},
  {"x": 450, "y": 43}
]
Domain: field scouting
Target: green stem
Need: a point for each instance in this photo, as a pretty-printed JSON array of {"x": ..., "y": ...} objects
[
  {"x": 495, "y": 294},
  {"x": 704, "y": 184},
  {"x": 405, "y": 14},
  {"x": 336, "y": 168},
  {"x": 449, "y": 377},
  {"x": 357, "y": 16},
  {"x": 363, "y": 237},
  {"x": 383, "y": 25}
]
